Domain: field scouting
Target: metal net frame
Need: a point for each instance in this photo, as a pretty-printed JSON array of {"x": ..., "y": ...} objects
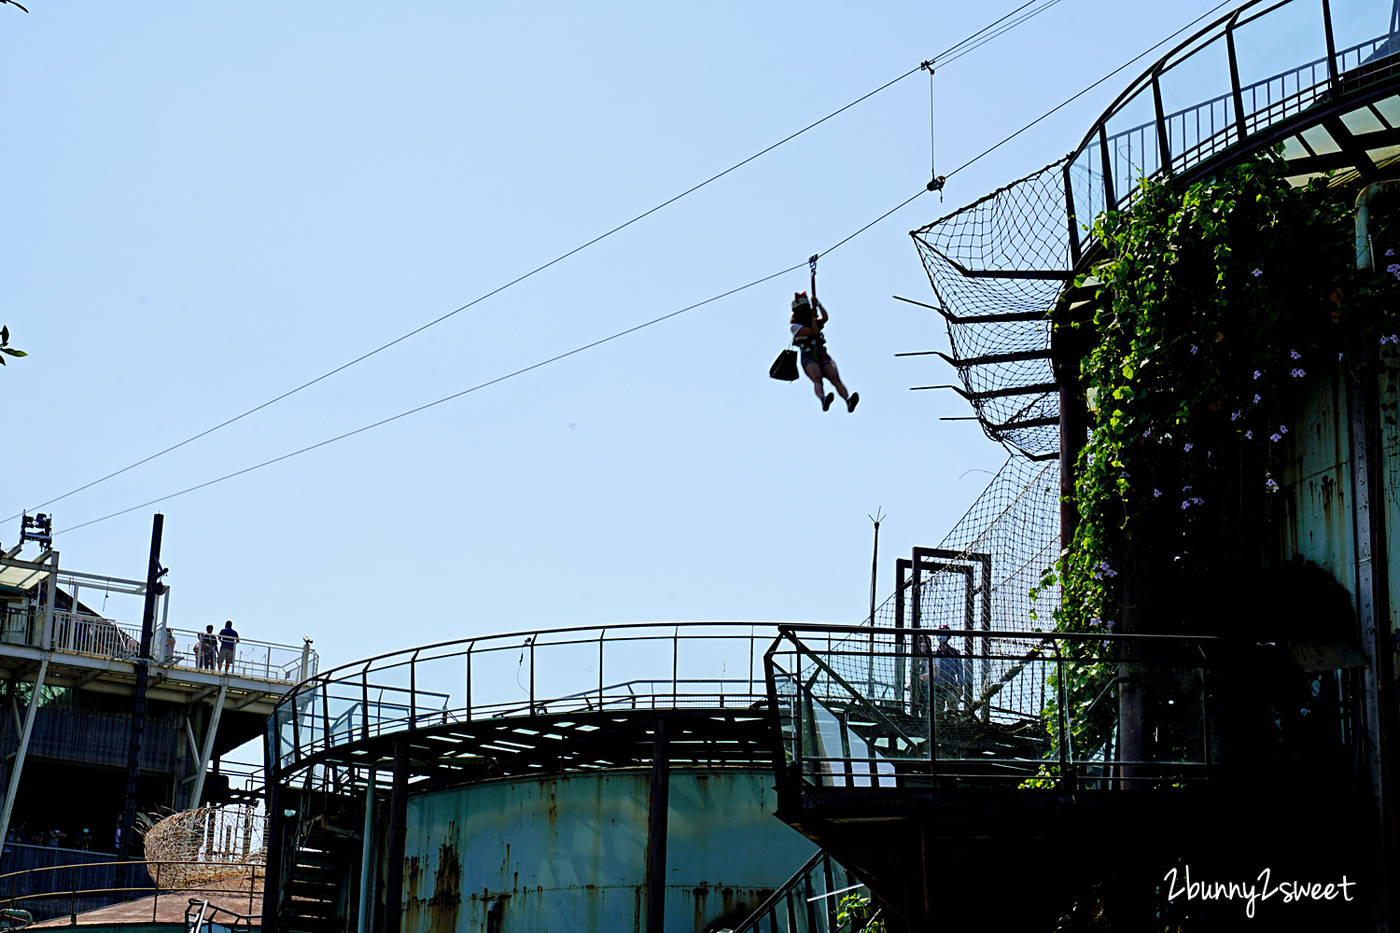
[
  {"x": 210, "y": 844},
  {"x": 997, "y": 267},
  {"x": 978, "y": 580}
]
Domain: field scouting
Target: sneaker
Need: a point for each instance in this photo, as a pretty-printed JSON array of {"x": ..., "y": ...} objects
[
  {"x": 826, "y": 402},
  {"x": 851, "y": 402}
]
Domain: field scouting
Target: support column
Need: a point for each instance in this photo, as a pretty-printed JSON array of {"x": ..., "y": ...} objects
[
  {"x": 198, "y": 790},
  {"x": 391, "y": 919},
  {"x": 276, "y": 846},
  {"x": 1373, "y": 603},
  {"x": 366, "y": 902},
  {"x": 659, "y": 805},
  {"x": 12, "y": 786},
  {"x": 138, "y": 707}
]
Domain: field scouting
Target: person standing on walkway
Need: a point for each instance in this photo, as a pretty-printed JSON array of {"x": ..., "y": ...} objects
[
  {"x": 208, "y": 648},
  {"x": 228, "y": 644}
]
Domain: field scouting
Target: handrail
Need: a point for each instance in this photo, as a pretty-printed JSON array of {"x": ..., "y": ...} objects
[
  {"x": 1255, "y": 105},
  {"x": 1015, "y": 716},
  {"x": 89, "y": 634},
  {"x": 521, "y": 673},
  {"x": 818, "y": 913},
  {"x": 254, "y": 872}
]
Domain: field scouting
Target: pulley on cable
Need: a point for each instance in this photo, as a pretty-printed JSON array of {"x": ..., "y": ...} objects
[{"x": 936, "y": 182}]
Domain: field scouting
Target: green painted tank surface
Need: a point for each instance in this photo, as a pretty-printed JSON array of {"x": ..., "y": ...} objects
[{"x": 566, "y": 853}]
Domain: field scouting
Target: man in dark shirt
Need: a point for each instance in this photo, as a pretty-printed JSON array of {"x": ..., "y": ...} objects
[
  {"x": 208, "y": 648},
  {"x": 228, "y": 642}
]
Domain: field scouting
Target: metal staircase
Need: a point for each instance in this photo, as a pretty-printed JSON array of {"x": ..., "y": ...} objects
[
  {"x": 320, "y": 869},
  {"x": 809, "y": 902}
]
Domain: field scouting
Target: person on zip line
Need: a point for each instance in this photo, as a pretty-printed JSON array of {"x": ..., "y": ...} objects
[{"x": 808, "y": 319}]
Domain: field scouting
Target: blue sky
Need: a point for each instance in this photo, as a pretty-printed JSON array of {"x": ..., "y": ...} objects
[{"x": 206, "y": 206}]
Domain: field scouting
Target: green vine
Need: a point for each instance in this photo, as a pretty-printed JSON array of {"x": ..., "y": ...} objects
[{"x": 1217, "y": 302}]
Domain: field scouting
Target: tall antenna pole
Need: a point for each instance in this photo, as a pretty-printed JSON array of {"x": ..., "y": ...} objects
[{"x": 874, "y": 562}]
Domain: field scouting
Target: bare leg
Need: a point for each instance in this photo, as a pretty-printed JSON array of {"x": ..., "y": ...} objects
[
  {"x": 815, "y": 373},
  {"x": 834, "y": 377}
]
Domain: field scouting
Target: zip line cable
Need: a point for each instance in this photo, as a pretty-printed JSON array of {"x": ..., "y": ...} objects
[
  {"x": 976, "y": 43},
  {"x": 1086, "y": 90},
  {"x": 635, "y": 328},
  {"x": 958, "y": 49},
  {"x": 491, "y": 382}
]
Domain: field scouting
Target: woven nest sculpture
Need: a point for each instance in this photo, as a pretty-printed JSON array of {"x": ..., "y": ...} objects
[{"x": 199, "y": 847}]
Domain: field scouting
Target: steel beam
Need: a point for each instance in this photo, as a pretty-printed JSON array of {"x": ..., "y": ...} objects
[
  {"x": 12, "y": 786},
  {"x": 208, "y": 748},
  {"x": 392, "y": 917},
  {"x": 658, "y": 808},
  {"x": 366, "y": 856}
]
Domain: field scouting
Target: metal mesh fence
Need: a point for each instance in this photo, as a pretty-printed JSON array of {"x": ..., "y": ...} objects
[
  {"x": 978, "y": 580},
  {"x": 997, "y": 267}
]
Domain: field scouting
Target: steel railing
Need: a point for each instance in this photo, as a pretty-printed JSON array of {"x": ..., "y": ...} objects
[
  {"x": 87, "y": 634},
  {"x": 56, "y": 897},
  {"x": 1341, "y": 46},
  {"x": 873, "y": 708},
  {"x": 580, "y": 669},
  {"x": 811, "y": 901}
]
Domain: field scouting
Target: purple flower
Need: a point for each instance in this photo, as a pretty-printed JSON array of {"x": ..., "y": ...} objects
[
  {"x": 1235, "y": 416},
  {"x": 1156, "y": 493},
  {"x": 1390, "y": 252},
  {"x": 1249, "y": 435},
  {"x": 1197, "y": 500},
  {"x": 1339, "y": 357},
  {"x": 1186, "y": 505},
  {"x": 1270, "y": 485},
  {"x": 1188, "y": 447},
  {"x": 1257, "y": 272},
  {"x": 1257, "y": 374},
  {"x": 1283, "y": 429},
  {"x": 1275, "y": 437},
  {"x": 1394, "y": 269},
  {"x": 1193, "y": 349},
  {"x": 1295, "y": 354},
  {"x": 1256, "y": 398},
  {"x": 1298, "y": 373}
]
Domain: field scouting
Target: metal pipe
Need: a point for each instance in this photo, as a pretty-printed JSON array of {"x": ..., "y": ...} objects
[{"x": 1364, "y": 259}]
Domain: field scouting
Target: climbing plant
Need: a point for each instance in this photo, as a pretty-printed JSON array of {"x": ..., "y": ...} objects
[{"x": 1217, "y": 301}]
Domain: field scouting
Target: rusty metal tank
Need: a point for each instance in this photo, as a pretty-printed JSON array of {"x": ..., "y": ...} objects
[{"x": 568, "y": 852}]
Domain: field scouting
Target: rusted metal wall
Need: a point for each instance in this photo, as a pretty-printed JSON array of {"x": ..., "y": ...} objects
[
  {"x": 567, "y": 852},
  {"x": 1317, "y": 482},
  {"x": 1389, "y": 387}
]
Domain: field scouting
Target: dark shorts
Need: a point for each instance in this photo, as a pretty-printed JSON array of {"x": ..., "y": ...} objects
[{"x": 818, "y": 356}]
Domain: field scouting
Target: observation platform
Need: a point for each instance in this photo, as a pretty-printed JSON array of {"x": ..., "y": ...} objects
[
  {"x": 88, "y": 651},
  {"x": 72, "y": 679}
]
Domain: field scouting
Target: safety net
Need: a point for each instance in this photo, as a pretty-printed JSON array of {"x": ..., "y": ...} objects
[{"x": 997, "y": 267}]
